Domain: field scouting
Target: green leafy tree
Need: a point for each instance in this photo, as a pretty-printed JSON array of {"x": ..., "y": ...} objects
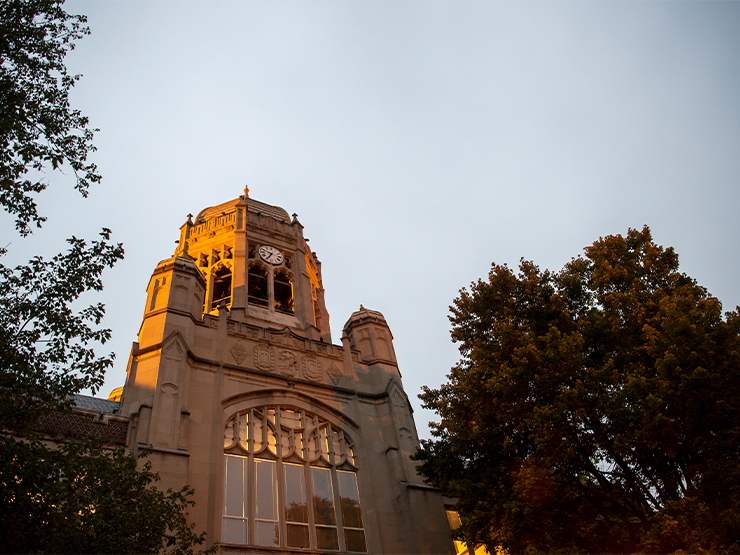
[
  {"x": 80, "y": 498},
  {"x": 594, "y": 410},
  {"x": 75, "y": 497},
  {"x": 39, "y": 131},
  {"x": 46, "y": 347}
]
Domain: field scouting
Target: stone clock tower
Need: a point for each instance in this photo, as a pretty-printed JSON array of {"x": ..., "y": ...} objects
[{"x": 292, "y": 443}]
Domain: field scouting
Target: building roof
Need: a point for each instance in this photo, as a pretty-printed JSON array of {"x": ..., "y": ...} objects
[
  {"x": 97, "y": 404},
  {"x": 252, "y": 205},
  {"x": 363, "y": 316}
]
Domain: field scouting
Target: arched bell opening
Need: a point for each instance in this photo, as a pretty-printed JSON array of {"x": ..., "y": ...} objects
[
  {"x": 283, "y": 286},
  {"x": 257, "y": 292},
  {"x": 221, "y": 286}
]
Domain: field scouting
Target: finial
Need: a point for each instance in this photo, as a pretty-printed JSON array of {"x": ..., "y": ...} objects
[
  {"x": 190, "y": 219},
  {"x": 362, "y": 307},
  {"x": 246, "y": 191},
  {"x": 295, "y": 217}
]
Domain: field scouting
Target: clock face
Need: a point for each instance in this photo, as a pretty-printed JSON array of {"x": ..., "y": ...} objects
[{"x": 271, "y": 255}]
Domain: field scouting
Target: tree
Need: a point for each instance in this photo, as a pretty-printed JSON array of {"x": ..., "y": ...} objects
[
  {"x": 38, "y": 129},
  {"x": 596, "y": 409},
  {"x": 46, "y": 347},
  {"x": 74, "y": 497},
  {"x": 80, "y": 498},
  {"x": 46, "y": 351}
]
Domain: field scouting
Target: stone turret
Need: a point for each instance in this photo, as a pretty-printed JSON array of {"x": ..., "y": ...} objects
[{"x": 369, "y": 333}]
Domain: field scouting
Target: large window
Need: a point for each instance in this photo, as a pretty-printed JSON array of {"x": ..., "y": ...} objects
[{"x": 286, "y": 473}]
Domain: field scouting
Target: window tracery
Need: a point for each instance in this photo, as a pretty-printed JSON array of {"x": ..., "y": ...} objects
[{"x": 300, "y": 468}]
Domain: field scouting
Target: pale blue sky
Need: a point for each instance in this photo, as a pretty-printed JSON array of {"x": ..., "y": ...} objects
[{"x": 418, "y": 142}]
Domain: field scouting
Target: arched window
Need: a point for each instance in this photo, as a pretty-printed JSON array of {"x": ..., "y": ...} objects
[
  {"x": 221, "y": 286},
  {"x": 286, "y": 473},
  {"x": 283, "y": 286},
  {"x": 257, "y": 286}
]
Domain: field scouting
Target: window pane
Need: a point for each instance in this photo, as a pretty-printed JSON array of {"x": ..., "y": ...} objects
[
  {"x": 453, "y": 518},
  {"x": 290, "y": 418},
  {"x": 336, "y": 446},
  {"x": 355, "y": 540},
  {"x": 324, "y": 442},
  {"x": 326, "y": 538},
  {"x": 234, "y": 530},
  {"x": 266, "y": 533},
  {"x": 257, "y": 430},
  {"x": 271, "y": 440},
  {"x": 298, "y": 535},
  {"x": 296, "y": 508},
  {"x": 229, "y": 434},
  {"x": 323, "y": 498},
  {"x": 266, "y": 490},
  {"x": 234, "y": 486},
  {"x": 299, "y": 445},
  {"x": 312, "y": 452},
  {"x": 285, "y": 436},
  {"x": 243, "y": 420},
  {"x": 350, "y": 499}
]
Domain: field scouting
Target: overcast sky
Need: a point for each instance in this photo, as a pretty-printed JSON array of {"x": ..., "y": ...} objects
[{"x": 418, "y": 141}]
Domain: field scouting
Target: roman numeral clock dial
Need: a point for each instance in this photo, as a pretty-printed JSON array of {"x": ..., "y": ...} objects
[{"x": 271, "y": 255}]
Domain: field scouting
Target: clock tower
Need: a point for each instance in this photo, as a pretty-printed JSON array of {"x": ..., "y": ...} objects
[
  {"x": 256, "y": 262},
  {"x": 291, "y": 442}
]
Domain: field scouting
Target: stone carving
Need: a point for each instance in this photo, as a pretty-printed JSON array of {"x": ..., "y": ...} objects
[
  {"x": 355, "y": 357},
  {"x": 168, "y": 390},
  {"x": 288, "y": 363},
  {"x": 401, "y": 409},
  {"x": 172, "y": 363},
  {"x": 321, "y": 349},
  {"x": 231, "y": 328},
  {"x": 213, "y": 323},
  {"x": 264, "y": 357},
  {"x": 239, "y": 352},
  {"x": 311, "y": 368},
  {"x": 334, "y": 374}
]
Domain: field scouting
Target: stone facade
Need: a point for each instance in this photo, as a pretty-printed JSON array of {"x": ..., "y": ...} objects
[{"x": 291, "y": 442}]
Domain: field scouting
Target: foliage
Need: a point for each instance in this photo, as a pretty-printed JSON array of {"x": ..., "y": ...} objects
[
  {"x": 38, "y": 129},
  {"x": 594, "y": 410},
  {"x": 45, "y": 345},
  {"x": 72, "y": 496},
  {"x": 80, "y": 498}
]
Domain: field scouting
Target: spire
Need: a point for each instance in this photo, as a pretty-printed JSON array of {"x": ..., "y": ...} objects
[{"x": 246, "y": 191}]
